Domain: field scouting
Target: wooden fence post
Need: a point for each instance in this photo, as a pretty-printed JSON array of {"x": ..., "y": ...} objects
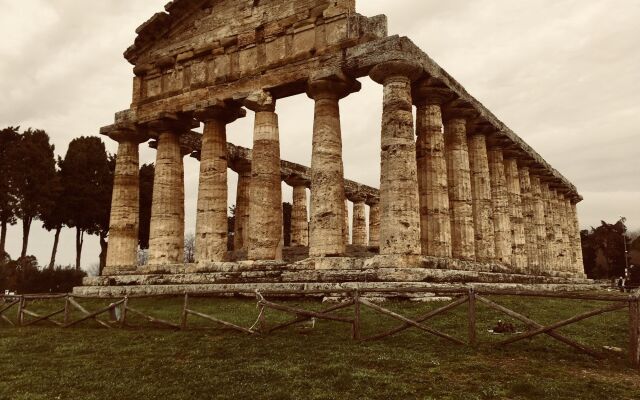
[
  {"x": 20, "y": 311},
  {"x": 473, "y": 340},
  {"x": 185, "y": 312},
  {"x": 634, "y": 330},
  {"x": 66, "y": 309},
  {"x": 123, "y": 313},
  {"x": 356, "y": 318}
]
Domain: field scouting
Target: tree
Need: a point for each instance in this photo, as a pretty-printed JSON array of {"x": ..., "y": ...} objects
[
  {"x": 86, "y": 177},
  {"x": 34, "y": 177},
  {"x": 106, "y": 193},
  {"x": 147, "y": 172},
  {"x": 53, "y": 216},
  {"x": 9, "y": 138},
  {"x": 287, "y": 210},
  {"x": 603, "y": 250},
  {"x": 190, "y": 248}
]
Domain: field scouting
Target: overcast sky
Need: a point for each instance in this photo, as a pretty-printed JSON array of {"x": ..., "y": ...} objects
[{"x": 563, "y": 74}]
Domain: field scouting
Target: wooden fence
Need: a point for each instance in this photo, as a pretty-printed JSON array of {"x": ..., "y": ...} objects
[{"x": 120, "y": 309}]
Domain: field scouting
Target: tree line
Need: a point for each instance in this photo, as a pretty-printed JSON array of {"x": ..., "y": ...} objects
[{"x": 73, "y": 192}]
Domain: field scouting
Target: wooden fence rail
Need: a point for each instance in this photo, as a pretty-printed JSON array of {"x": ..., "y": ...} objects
[{"x": 354, "y": 298}]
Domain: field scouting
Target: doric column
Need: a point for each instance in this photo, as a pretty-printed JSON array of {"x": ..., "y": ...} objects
[
  {"x": 359, "y": 222},
  {"x": 299, "y": 218},
  {"x": 433, "y": 187},
  {"x": 399, "y": 200},
  {"x": 550, "y": 240},
  {"x": 211, "y": 218},
  {"x": 125, "y": 207},
  {"x": 241, "y": 228},
  {"x": 265, "y": 191},
  {"x": 374, "y": 224},
  {"x": 500, "y": 201},
  {"x": 481, "y": 194},
  {"x": 567, "y": 265},
  {"x": 569, "y": 231},
  {"x": 459, "y": 177},
  {"x": 327, "y": 170},
  {"x": 539, "y": 225},
  {"x": 519, "y": 252},
  {"x": 559, "y": 251},
  {"x": 577, "y": 242},
  {"x": 166, "y": 239},
  {"x": 528, "y": 213},
  {"x": 345, "y": 224}
]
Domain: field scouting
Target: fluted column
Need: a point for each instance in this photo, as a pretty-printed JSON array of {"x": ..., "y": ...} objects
[
  {"x": 567, "y": 252},
  {"x": 550, "y": 240},
  {"x": 577, "y": 243},
  {"x": 265, "y": 191},
  {"x": 539, "y": 224},
  {"x": 560, "y": 255},
  {"x": 212, "y": 225},
  {"x": 519, "y": 252},
  {"x": 529, "y": 215},
  {"x": 374, "y": 225},
  {"x": 166, "y": 240},
  {"x": 482, "y": 203},
  {"x": 569, "y": 230},
  {"x": 500, "y": 202},
  {"x": 125, "y": 208},
  {"x": 299, "y": 221},
  {"x": 326, "y": 236},
  {"x": 346, "y": 233},
  {"x": 435, "y": 220},
  {"x": 241, "y": 231},
  {"x": 399, "y": 200},
  {"x": 359, "y": 223}
]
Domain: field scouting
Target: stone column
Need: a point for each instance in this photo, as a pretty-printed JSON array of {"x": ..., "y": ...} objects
[
  {"x": 327, "y": 171},
  {"x": 166, "y": 239},
  {"x": 482, "y": 203},
  {"x": 399, "y": 200},
  {"x": 528, "y": 213},
  {"x": 559, "y": 254},
  {"x": 539, "y": 225},
  {"x": 577, "y": 243},
  {"x": 519, "y": 252},
  {"x": 265, "y": 191},
  {"x": 374, "y": 225},
  {"x": 299, "y": 218},
  {"x": 435, "y": 220},
  {"x": 500, "y": 201},
  {"x": 569, "y": 231},
  {"x": 359, "y": 223},
  {"x": 125, "y": 207},
  {"x": 567, "y": 265},
  {"x": 345, "y": 224},
  {"x": 211, "y": 217},
  {"x": 550, "y": 240},
  {"x": 241, "y": 231}
]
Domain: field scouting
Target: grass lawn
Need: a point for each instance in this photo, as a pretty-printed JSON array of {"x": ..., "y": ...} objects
[{"x": 208, "y": 362}]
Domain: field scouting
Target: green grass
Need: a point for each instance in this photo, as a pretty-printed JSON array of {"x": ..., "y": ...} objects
[{"x": 146, "y": 362}]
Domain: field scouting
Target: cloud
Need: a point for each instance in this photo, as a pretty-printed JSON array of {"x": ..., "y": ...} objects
[{"x": 563, "y": 74}]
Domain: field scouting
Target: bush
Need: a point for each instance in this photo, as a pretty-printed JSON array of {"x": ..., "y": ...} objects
[{"x": 23, "y": 276}]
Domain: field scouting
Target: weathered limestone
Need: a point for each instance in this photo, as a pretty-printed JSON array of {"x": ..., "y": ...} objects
[
  {"x": 433, "y": 188},
  {"x": 460, "y": 197},
  {"x": 482, "y": 203},
  {"x": 346, "y": 233},
  {"x": 564, "y": 228},
  {"x": 539, "y": 225},
  {"x": 500, "y": 201},
  {"x": 166, "y": 241},
  {"x": 211, "y": 217},
  {"x": 519, "y": 252},
  {"x": 560, "y": 250},
  {"x": 327, "y": 171},
  {"x": 265, "y": 191},
  {"x": 399, "y": 200},
  {"x": 529, "y": 215},
  {"x": 241, "y": 236},
  {"x": 359, "y": 223},
  {"x": 551, "y": 249},
  {"x": 124, "y": 220},
  {"x": 568, "y": 231},
  {"x": 577, "y": 243},
  {"x": 299, "y": 221},
  {"x": 374, "y": 225}
]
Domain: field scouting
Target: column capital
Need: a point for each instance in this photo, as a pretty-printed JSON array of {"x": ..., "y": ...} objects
[
  {"x": 296, "y": 181},
  {"x": 356, "y": 197},
  {"x": 260, "y": 101},
  {"x": 170, "y": 122},
  {"x": 424, "y": 94},
  {"x": 125, "y": 132},
  {"x": 219, "y": 110},
  {"x": 332, "y": 87},
  {"x": 410, "y": 69}
]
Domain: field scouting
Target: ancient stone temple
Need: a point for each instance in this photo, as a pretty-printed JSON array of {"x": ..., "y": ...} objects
[{"x": 462, "y": 198}]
